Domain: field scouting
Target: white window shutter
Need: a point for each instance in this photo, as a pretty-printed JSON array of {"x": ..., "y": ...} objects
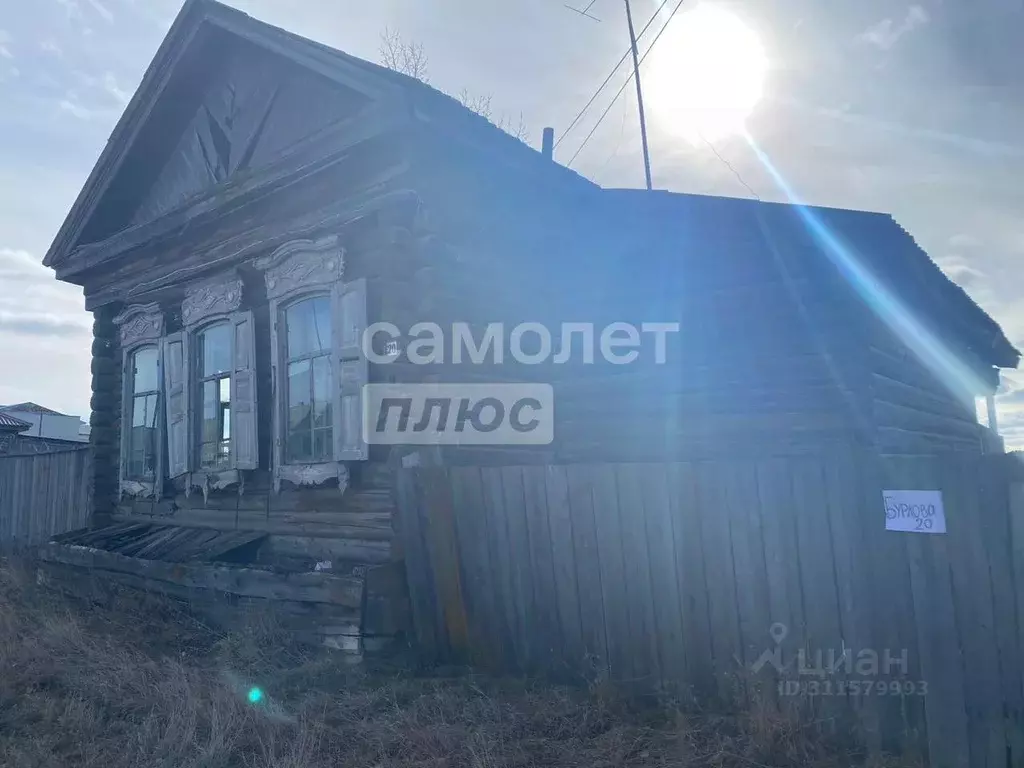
[
  {"x": 176, "y": 399},
  {"x": 351, "y": 369},
  {"x": 244, "y": 445}
]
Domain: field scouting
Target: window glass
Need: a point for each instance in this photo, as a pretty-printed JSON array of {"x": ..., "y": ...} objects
[
  {"x": 309, "y": 327},
  {"x": 309, "y": 381},
  {"x": 215, "y": 350},
  {"x": 214, "y": 357},
  {"x": 146, "y": 370},
  {"x": 144, "y": 407}
]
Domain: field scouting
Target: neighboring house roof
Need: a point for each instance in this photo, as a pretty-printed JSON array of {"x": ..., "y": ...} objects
[
  {"x": 9, "y": 423},
  {"x": 31, "y": 408}
]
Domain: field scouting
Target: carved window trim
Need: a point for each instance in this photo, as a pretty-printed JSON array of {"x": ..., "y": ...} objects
[
  {"x": 298, "y": 270},
  {"x": 139, "y": 326}
]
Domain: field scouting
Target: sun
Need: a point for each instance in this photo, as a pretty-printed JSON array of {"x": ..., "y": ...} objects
[{"x": 705, "y": 75}]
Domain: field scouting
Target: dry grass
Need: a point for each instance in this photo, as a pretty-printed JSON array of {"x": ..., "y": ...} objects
[{"x": 141, "y": 684}]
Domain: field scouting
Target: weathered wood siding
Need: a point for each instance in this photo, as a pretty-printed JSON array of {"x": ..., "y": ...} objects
[
  {"x": 42, "y": 495},
  {"x": 688, "y": 573}
]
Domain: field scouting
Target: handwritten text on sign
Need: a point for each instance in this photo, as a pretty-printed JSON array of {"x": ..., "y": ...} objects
[{"x": 914, "y": 511}]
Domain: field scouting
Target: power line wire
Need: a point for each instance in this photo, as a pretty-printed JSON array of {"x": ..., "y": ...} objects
[
  {"x": 627, "y": 81},
  {"x": 730, "y": 167},
  {"x": 610, "y": 75}
]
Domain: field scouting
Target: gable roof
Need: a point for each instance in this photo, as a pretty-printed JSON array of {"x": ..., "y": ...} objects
[
  {"x": 427, "y": 105},
  {"x": 30, "y": 408},
  {"x": 867, "y": 244},
  {"x": 422, "y": 103},
  {"x": 9, "y": 423}
]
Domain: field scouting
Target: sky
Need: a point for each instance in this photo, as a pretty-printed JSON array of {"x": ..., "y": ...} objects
[{"x": 910, "y": 108}]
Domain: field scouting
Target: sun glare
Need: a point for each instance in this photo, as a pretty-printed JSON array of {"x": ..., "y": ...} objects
[{"x": 706, "y": 74}]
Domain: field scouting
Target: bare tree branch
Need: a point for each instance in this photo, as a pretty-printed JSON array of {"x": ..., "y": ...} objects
[
  {"x": 408, "y": 58},
  {"x": 411, "y": 59}
]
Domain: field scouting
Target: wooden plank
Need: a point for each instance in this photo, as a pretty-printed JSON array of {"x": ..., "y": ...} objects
[
  {"x": 547, "y": 640},
  {"x": 444, "y": 559},
  {"x": 719, "y": 577},
  {"x": 639, "y": 595},
  {"x": 973, "y": 606},
  {"x": 419, "y": 575},
  {"x": 225, "y": 544},
  {"x": 941, "y": 666},
  {"x": 842, "y": 482},
  {"x": 903, "y": 723},
  {"x": 560, "y": 526},
  {"x": 501, "y": 563},
  {"x": 693, "y": 590},
  {"x": 996, "y": 528},
  {"x": 823, "y": 642},
  {"x": 248, "y": 582},
  {"x": 588, "y": 567},
  {"x": 743, "y": 510},
  {"x": 661, "y": 553},
  {"x": 480, "y": 591},
  {"x": 522, "y": 567},
  {"x": 782, "y": 564},
  {"x": 607, "y": 531}
]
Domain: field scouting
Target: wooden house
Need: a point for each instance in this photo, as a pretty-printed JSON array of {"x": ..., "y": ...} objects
[{"x": 265, "y": 199}]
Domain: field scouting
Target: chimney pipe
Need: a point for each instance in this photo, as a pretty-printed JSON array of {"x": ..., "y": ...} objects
[{"x": 548, "y": 144}]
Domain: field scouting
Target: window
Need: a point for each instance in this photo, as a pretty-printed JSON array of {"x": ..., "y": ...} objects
[
  {"x": 317, "y": 362},
  {"x": 210, "y": 381},
  {"x": 214, "y": 365},
  {"x": 309, "y": 381},
  {"x": 143, "y": 438}
]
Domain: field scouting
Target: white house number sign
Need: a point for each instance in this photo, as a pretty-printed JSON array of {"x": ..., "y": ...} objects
[{"x": 914, "y": 511}]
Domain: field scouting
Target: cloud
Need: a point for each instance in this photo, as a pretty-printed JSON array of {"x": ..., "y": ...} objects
[
  {"x": 5, "y": 51},
  {"x": 110, "y": 86},
  {"x": 41, "y": 325},
  {"x": 102, "y": 10},
  {"x": 886, "y": 33},
  {"x": 50, "y": 46}
]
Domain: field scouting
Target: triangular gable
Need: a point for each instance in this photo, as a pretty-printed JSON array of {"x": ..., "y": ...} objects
[{"x": 189, "y": 127}]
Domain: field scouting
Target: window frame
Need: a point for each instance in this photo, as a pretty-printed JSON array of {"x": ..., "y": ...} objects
[
  {"x": 196, "y": 394},
  {"x": 133, "y": 394},
  {"x": 140, "y": 326},
  {"x": 298, "y": 270},
  {"x": 287, "y": 359},
  {"x": 205, "y": 306}
]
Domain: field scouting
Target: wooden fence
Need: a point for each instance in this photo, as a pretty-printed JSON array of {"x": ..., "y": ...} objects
[
  {"x": 43, "y": 494},
  {"x": 773, "y": 580}
]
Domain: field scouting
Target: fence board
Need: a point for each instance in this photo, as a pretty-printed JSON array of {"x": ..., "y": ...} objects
[
  {"x": 522, "y": 568},
  {"x": 675, "y": 573},
  {"x": 972, "y": 601},
  {"x": 483, "y": 609},
  {"x": 548, "y": 633},
  {"x": 42, "y": 495},
  {"x": 719, "y": 575},
  {"x": 997, "y": 536},
  {"x": 588, "y": 566},
  {"x": 638, "y": 573},
  {"x": 618, "y": 629},
  {"x": 662, "y": 557},
  {"x": 500, "y": 558},
  {"x": 693, "y": 589}
]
